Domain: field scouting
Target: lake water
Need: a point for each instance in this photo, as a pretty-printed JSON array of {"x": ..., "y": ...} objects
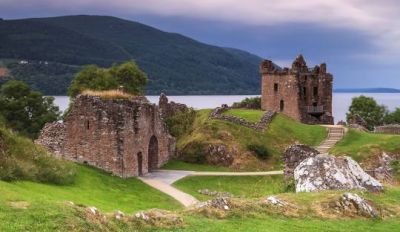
[{"x": 341, "y": 101}]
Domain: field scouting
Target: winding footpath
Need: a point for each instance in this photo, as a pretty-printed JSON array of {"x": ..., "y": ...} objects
[{"x": 163, "y": 179}]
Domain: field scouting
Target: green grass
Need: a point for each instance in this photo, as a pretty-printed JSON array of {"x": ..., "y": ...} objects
[
  {"x": 362, "y": 145},
  {"x": 249, "y": 115},
  {"x": 180, "y": 165},
  {"x": 92, "y": 188},
  {"x": 239, "y": 186},
  {"x": 282, "y": 224},
  {"x": 281, "y": 133}
]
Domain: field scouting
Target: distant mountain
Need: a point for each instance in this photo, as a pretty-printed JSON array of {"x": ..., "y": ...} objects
[
  {"x": 368, "y": 90},
  {"x": 175, "y": 64}
]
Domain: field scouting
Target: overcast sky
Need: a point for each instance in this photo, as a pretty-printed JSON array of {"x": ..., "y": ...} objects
[{"x": 359, "y": 39}]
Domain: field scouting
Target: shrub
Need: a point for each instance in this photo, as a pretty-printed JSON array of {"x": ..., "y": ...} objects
[
  {"x": 259, "y": 150},
  {"x": 20, "y": 159},
  {"x": 127, "y": 75},
  {"x": 24, "y": 110},
  {"x": 392, "y": 117},
  {"x": 249, "y": 103},
  {"x": 396, "y": 168},
  {"x": 181, "y": 123},
  {"x": 368, "y": 109},
  {"x": 194, "y": 153}
]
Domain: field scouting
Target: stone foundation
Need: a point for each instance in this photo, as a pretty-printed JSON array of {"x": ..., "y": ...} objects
[{"x": 217, "y": 113}]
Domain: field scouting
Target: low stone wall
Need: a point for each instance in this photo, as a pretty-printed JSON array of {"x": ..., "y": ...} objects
[
  {"x": 217, "y": 113},
  {"x": 388, "y": 129}
]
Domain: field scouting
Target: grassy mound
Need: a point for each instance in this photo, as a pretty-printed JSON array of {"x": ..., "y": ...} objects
[
  {"x": 20, "y": 159},
  {"x": 282, "y": 132},
  {"x": 362, "y": 145},
  {"x": 249, "y": 115}
]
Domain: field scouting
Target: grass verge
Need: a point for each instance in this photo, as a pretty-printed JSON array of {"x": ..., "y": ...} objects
[
  {"x": 92, "y": 187},
  {"x": 362, "y": 145}
]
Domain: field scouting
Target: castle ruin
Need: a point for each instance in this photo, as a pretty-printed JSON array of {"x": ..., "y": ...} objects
[
  {"x": 126, "y": 137},
  {"x": 302, "y": 93}
]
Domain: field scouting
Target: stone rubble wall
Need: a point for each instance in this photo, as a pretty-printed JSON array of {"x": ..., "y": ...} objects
[
  {"x": 169, "y": 109},
  {"x": 388, "y": 129},
  {"x": 53, "y": 136},
  {"x": 260, "y": 126}
]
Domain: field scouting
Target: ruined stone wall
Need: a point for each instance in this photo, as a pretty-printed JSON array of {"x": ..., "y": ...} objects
[
  {"x": 287, "y": 91},
  {"x": 266, "y": 119},
  {"x": 169, "y": 109},
  {"x": 388, "y": 129},
  {"x": 294, "y": 91},
  {"x": 124, "y": 137}
]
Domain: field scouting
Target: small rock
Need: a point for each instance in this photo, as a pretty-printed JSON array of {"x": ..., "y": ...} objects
[
  {"x": 214, "y": 193},
  {"x": 275, "y": 201},
  {"x": 119, "y": 215},
  {"x": 93, "y": 210},
  {"x": 142, "y": 215},
  {"x": 220, "y": 203},
  {"x": 352, "y": 201}
]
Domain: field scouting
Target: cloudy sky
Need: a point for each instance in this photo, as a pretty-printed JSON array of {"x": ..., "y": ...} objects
[{"x": 359, "y": 39}]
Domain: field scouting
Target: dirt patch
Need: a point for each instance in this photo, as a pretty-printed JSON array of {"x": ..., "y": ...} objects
[{"x": 19, "y": 204}]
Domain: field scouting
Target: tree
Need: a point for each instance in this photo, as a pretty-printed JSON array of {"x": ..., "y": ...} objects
[
  {"x": 127, "y": 75},
  {"x": 393, "y": 117},
  {"x": 368, "y": 109},
  {"x": 25, "y": 110}
]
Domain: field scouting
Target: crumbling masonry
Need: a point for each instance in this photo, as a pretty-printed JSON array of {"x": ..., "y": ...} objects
[
  {"x": 126, "y": 137},
  {"x": 301, "y": 93}
]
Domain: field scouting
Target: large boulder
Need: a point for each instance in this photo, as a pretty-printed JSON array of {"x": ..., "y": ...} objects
[
  {"x": 325, "y": 172},
  {"x": 294, "y": 155}
]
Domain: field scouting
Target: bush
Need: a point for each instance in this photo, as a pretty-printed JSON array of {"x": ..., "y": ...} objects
[
  {"x": 368, "y": 109},
  {"x": 20, "y": 159},
  {"x": 396, "y": 168},
  {"x": 194, "y": 153},
  {"x": 181, "y": 123},
  {"x": 248, "y": 103},
  {"x": 392, "y": 117},
  {"x": 24, "y": 110},
  {"x": 127, "y": 75},
  {"x": 259, "y": 150}
]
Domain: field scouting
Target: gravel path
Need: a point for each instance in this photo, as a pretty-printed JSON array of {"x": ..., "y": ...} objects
[{"x": 163, "y": 179}]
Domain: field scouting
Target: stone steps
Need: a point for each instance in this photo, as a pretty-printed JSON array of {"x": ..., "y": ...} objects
[{"x": 335, "y": 134}]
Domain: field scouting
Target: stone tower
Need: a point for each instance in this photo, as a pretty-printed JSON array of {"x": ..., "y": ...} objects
[{"x": 302, "y": 93}]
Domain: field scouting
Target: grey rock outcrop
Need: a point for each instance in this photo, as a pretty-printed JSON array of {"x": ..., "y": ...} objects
[
  {"x": 293, "y": 156},
  {"x": 351, "y": 203},
  {"x": 325, "y": 172}
]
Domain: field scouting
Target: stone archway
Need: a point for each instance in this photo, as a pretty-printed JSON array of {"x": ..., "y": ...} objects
[
  {"x": 140, "y": 163},
  {"x": 153, "y": 154}
]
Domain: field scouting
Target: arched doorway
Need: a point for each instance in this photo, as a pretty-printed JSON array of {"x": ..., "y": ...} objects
[
  {"x": 140, "y": 163},
  {"x": 153, "y": 154}
]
